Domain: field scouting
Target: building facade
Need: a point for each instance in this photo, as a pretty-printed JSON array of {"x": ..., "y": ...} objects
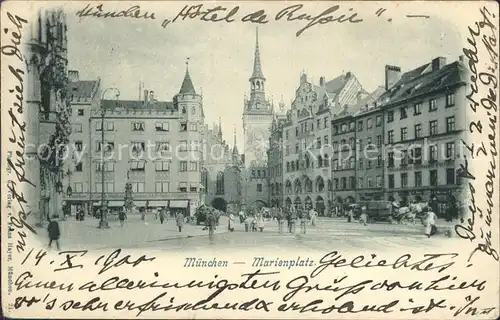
[
  {"x": 85, "y": 98},
  {"x": 425, "y": 121},
  {"x": 275, "y": 158},
  {"x": 158, "y": 147},
  {"x": 257, "y": 120},
  {"x": 47, "y": 126},
  {"x": 307, "y": 140}
]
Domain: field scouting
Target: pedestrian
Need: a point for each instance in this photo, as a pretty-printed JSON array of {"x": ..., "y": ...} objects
[
  {"x": 451, "y": 210},
  {"x": 54, "y": 232},
  {"x": 433, "y": 203},
  {"x": 302, "y": 217},
  {"x": 211, "y": 224},
  {"x": 248, "y": 223},
  {"x": 143, "y": 214},
  {"x": 313, "y": 215},
  {"x": 260, "y": 222},
  {"x": 180, "y": 220},
  {"x": 122, "y": 216},
  {"x": 363, "y": 218},
  {"x": 230, "y": 222},
  {"x": 289, "y": 220},
  {"x": 162, "y": 216},
  {"x": 279, "y": 217},
  {"x": 430, "y": 224}
]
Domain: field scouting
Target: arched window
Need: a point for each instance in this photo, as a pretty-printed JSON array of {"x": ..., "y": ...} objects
[
  {"x": 308, "y": 184},
  {"x": 220, "y": 183},
  {"x": 293, "y": 165},
  {"x": 288, "y": 187},
  {"x": 320, "y": 161},
  {"x": 307, "y": 161},
  {"x": 288, "y": 166},
  {"x": 336, "y": 184},
  {"x": 297, "y": 186},
  {"x": 330, "y": 185},
  {"x": 288, "y": 202},
  {"x": 297, "y": 203},
  {"x": 297, "y": 164},
  {"x": 320, "y": 184},
  {"x": 326, "y": 161}
]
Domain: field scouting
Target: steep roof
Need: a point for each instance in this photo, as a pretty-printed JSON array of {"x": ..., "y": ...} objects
[
  {"x": 366, "y": 104},
  {"x": 187, "y": 85},
  {"x": 416, "y": 82},
  {"x": 83, "y": 89},
  {"x": 257, "y": 67}
]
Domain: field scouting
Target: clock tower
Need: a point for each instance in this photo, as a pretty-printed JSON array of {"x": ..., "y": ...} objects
[{"x": 257, "y": 115}]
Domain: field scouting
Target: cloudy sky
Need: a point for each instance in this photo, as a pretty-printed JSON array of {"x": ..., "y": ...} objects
[{"x": 123, "y": 52}]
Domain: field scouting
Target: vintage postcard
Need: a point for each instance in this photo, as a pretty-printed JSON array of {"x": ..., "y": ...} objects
[{"x": 226, "y": 160}]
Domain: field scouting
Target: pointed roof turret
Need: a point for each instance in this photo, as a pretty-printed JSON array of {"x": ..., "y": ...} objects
[
  {"x": 187, "y": 84},
  {"x": 220, "y": 129},
  {"x": 257, "y": 68},
  {"x": 235, "y": 147}
]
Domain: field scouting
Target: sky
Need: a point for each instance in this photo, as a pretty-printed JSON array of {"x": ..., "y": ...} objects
[{"x": 123, "y": 52}]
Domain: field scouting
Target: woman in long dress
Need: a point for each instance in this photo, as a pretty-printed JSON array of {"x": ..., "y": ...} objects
[
  {"x": 430, "y": 224},
  {"x": 230, "y": 223}
]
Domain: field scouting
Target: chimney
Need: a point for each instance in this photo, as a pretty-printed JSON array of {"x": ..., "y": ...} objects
[
  {"x": 73, "y": 76},
  {"x": 151, "y": 96},
  {"x": 461, "y": 58},
  {"x": 145, "y": 96},
  {"x": 392, "y": 75},
  {"x": 322, "y": 81},
  {"x": 348, "y": 74},
  {"x": 438, "y": 63}
]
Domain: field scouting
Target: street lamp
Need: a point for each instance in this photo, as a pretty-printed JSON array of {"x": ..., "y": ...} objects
[{"x": 103, "y": 223}]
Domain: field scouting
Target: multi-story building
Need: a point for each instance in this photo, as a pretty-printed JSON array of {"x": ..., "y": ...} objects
[
  {"x": 424, "y": 123},
  {"x": 306, "y": 136},
  {"x": 47, "y": 124},
  {"x": 344, "y": 157},
  {"x": 85, "y": 97},
  {"x": 369, "y": 154},
  {"x": 159, "y": 147},
  {"x": 275, "y": 158},
  {"x": 257, "y": 120}
]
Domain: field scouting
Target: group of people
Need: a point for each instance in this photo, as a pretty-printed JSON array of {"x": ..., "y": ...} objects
[{"x": 254, "y": 219}]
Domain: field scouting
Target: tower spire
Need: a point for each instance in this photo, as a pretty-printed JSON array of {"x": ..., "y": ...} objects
[
  {"x": 257, "y": 68},
  {"x": 187, "y": 84},
  {"x": 235, "y": 147}
]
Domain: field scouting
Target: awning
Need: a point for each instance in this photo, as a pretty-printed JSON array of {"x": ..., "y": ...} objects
[
  {"x": 158, "y": 203},
  {"x": 111, "y": 203},
  {"x": 178, "y": 203},
  {"x": 139, "y": 203}
]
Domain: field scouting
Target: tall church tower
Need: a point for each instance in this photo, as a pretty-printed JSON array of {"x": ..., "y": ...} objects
[{"x": 257, "y": 115}]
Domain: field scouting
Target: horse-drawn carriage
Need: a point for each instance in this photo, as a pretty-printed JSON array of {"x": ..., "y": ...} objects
[{"x": 388, "y": 211}]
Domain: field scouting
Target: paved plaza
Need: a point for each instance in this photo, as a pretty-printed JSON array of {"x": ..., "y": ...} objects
[{"x": 326, "y": 235}]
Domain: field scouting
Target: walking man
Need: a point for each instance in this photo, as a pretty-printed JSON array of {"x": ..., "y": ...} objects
[
  {"x": 180, "y": 220},
  {"x": 302, "y": 216},
  {"x": 122, "y": 216},
  {"x": 279, "y": 217},
  {"x": 54, "y": 232},
  {"x": 162, "y": 216},
  {"x": 210, "y": 224}
]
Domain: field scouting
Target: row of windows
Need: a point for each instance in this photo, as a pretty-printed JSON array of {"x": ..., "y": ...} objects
[
  {"x": 417, "y": 108},
  {"x": 292, "y": 166},
  {"x": 304, "y": 127},
  {"x": 351, "y": 126},
  {"x": 160, "y": 187},
  {"x": 140, "y": 165},
  {"x": 417, "y": 179},
  {"x": 259, "y": 173},
  {"x": 138, "y": 126},
  {"x": 140, "y": 146},
  {"x": 414, "y": 155},
  {"x": 433, "y": 130}
]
